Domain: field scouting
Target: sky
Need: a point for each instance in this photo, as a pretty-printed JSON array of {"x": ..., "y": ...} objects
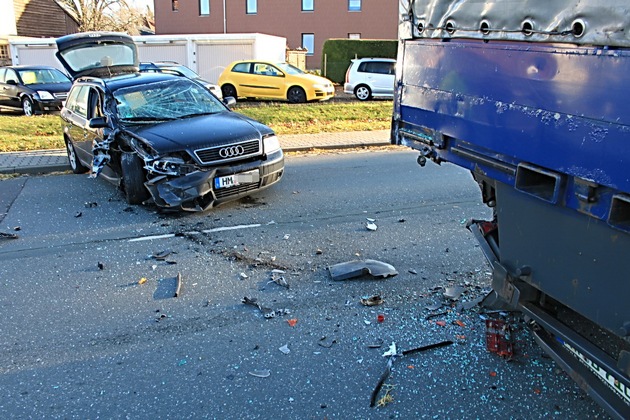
[{"x": 141, "y": 4}]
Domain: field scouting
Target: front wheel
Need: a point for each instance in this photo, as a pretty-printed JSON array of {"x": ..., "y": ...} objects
[
  {"x": 75, "y": 164},
  {"x": 296, "y": 95},
  {"x": 229, "y": 90},
  {"x": 27, "y": 106},
  {"x": 363, "y": 93},
  {"x": 133, "y": 178}
]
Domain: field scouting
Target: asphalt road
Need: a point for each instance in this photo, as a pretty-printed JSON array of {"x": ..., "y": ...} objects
[{"x": 83, "y": 341}]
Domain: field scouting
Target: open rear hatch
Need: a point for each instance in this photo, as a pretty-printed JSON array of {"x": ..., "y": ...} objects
[{"x": 98, "y": 54}]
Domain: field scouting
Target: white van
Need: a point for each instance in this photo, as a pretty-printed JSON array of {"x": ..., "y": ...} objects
[{"x": 370, "y": 77}]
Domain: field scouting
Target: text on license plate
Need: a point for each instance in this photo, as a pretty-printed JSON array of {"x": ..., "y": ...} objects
[{"x": 236, "y": 179}]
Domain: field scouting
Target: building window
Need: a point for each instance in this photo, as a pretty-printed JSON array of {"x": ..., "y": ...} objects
[
  {"x": 354, "y": 36},
  {"x": 204, "y": 7},
  {"x": 175, "y": 5},
  {"x": 354, "y": 5},
  {"x": 251, "y": 7},
  {"x": 308, "y": 6},
  {"x": 308, "y": 42}
]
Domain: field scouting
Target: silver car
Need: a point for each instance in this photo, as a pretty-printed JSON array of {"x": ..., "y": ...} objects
[{"x": 368, "y": 78}]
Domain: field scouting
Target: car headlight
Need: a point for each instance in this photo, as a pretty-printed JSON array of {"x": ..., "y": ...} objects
[
  {"x": 45, "y": 95},
  {"x": 166, "y": 166},
  {"x": 271, "y": 144},
  {"x": 319, "y": 86}
]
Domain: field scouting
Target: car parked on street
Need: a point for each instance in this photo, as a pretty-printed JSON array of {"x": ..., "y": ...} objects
[
  {"x": 181, "y": 70},
  {"x": 32, "y": 89},
  {"x": 368, "y": 78},
  {"x": 262, "y": 79},
  {"x": 160, "y": 137}
]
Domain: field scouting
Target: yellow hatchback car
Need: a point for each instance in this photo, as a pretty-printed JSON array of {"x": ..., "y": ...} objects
[{"x": 260, "y": 79}]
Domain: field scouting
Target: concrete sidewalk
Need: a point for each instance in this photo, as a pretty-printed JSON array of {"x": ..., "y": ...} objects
[{"x": 46, "y": 161}]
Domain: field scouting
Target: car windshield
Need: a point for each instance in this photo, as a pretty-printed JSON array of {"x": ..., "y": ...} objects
[
  {"x": 37, "y": 76},
  {"x": 166, "y": 100},
  {"x": 288, "y": 68}
]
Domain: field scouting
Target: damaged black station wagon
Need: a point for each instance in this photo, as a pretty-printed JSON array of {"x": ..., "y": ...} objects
[{"x": 158, "y": 136}]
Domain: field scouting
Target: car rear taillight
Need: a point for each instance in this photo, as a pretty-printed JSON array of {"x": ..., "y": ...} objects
[{"x": 348, "y": 73}]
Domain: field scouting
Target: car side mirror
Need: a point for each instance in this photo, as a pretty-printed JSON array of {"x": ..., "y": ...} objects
[
  {"x": 11, "y": 82},
  {"x": 229, "y": 101},
  {"x": 99, "y": 122}
]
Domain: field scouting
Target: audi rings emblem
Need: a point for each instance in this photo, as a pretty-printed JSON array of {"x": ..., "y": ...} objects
[{"x": 231, "y": 151}]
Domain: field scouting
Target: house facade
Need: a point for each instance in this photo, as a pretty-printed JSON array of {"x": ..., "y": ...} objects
[{"x": 304, "y": 23}]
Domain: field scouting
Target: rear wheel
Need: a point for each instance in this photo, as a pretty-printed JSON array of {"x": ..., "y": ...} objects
[
  {"x": 229, "y": 90},
  {"x": 133, "y": 178},
  {"x": 27, "y": 106},
  {"x": 363, "y": 93},
  {"x": 75, "y": 164},
  {"x": 296, "y": 95}
]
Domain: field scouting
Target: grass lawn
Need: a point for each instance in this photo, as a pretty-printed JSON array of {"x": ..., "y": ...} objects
[{"x": 19, "y": 133}]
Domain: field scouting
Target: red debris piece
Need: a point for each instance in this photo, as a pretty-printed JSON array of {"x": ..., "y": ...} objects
[
  {"x": 380, "y": 317},
  {"x": 493, "y": 373},
  {"x": 292, "y": 322},
  {"x": 441, "y": 323},
  {"x": 460, "y": 323},
  {"x": 499, "y": 337}
]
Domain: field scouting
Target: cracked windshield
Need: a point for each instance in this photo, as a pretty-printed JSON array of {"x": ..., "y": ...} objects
[{"x": 165, "y": 101}]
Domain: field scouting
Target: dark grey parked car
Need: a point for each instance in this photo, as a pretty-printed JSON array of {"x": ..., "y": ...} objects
[
  {"x": 32, "y": 89},
  {"x": 161, "y": 137}
]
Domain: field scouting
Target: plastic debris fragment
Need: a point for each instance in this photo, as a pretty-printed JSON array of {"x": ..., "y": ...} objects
[
  {"x": 441, "y": 323},
  {"x": 292, "y": 322},
  {"x": 358, "y": 268},
  {"x": 267, "y": 313},
  {"x": 160, "y": 256},
  {"x": 142, "y": 280},
  {"x": 371, "y": 226},
  {"x": 243, "y": 276},
  {"x": 178, "y": 287},
  {"x": 100, "y": 265},
  {"x": 285, "y": 349},
  {"x": 4, "y": 235},
  {"x": 499, "y": 337},
  {"x": 380, "y": 318}
]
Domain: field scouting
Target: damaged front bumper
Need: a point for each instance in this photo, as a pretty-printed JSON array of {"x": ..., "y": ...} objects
[{"x": 198, "y": 190}]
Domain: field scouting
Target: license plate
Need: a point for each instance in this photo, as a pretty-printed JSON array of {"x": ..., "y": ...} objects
[{"x": 236, "y": 179}]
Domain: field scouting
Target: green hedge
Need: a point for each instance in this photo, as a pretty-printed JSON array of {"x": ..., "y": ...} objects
[{"x": 337, "y": 53}]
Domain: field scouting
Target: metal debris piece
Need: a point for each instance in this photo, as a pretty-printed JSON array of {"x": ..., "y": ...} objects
[
  {"x": 4, "y": 235},
  {"x": 465, "y": 306},
  {"x": 254, "y": 261},
  {"x": 371, "y": 226},
  {"x": 351, "y": 269},
  {"x": 79, "y": 214},
  {"x": 412, "y": 271},
  {"x": 178, "y": 288},
  {"x": 260, "y": 373},
  {"x": 285, "y": 349},
  {"x": 454, "y": 292},
  {"x": 278, "y": 278},
  {"x": 372, "y": 301},
  {"x": 428, "y": 317},
  {"x": 90, "y": 205}
]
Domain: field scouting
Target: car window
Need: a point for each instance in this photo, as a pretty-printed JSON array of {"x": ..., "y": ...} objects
[
  {"x": 95, "y": 101},
  {"x": 77, "y": 100},
  {"x": 265, "y": 69},
  {"x": 35, "y": 76},
  {"x": 241, "y": 68},
  {"x": 379, "y": 67},
  {"x": 11, "y": 76},
  {"x": 165, "y": 100}
]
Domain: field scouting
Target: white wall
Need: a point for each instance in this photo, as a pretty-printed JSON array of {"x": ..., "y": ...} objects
[{"x": 7, "y": 18}]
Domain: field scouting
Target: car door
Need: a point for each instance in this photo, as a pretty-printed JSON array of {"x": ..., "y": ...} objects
[
  {"x": 74, "y": 115},
  {"x": 10, "y": 91},
  {"x": 267, "y": 81},
  {"x": 383, "y": 77}
]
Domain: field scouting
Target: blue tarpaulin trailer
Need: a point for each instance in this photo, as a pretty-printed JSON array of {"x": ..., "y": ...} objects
[{"x": 532, "y": 97}]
